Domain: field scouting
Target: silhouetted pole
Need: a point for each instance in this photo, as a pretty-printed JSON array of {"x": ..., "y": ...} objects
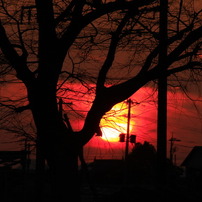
[
  {"x": 129, "y": 101},
  {"x": 162, "y": 96},
  {"x": 172, "y": 140}
]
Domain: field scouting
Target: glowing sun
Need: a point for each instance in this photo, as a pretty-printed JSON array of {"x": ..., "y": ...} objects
[{"x": 115, "y": 122}]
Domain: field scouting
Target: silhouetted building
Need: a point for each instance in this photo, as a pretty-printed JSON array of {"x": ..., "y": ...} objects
[{"x": 193, "y": 165}]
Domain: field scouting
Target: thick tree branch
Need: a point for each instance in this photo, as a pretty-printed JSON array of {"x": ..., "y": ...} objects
[
  {"x": 45, "y": 19},
  {"x": 155, "y": 51},
  {"x": 16, "y": 109},
  {"x": 50, "y": 60},
  {"x": 65, "y": 14},
  {"x": 192, "y": 37},
  {"x": 190, "y": 65},
  {"x": 111, "y": 52},
  {"x": 74, "y": 28},
  {"x": 16, "y": 61},
  {"x": 108, "y": 97}
]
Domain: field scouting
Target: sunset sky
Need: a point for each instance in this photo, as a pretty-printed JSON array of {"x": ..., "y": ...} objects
[
  {"x": 184, "y": 123},
  {"x": 184, "y": 115}
]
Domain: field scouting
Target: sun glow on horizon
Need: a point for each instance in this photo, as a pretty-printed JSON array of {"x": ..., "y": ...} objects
[
  {"x": 110, "y": 134},
  {"x": 115, "y": 122}
]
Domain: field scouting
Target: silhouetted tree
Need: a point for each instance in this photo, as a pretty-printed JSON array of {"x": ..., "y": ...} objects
[
  {"x": 142, "y": 163},
  {"x": 50, "y": 43}
]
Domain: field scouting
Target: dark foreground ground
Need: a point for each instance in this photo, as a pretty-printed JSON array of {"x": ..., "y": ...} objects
[
  {"x": 15, "y": 186},
  {"x": 135, "y": 193}
]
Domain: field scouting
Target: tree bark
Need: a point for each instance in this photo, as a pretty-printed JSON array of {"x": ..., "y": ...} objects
[{"x": 55, "y": 145}]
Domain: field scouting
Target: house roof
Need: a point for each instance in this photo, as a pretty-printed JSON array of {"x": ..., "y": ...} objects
[{"x": 194, "y": 158}]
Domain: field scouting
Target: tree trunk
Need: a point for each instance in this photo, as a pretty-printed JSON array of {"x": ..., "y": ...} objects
[
  {"x": 64, "y": 177},
  {"x": 56, "y": 145},
  {"x": 62, "y": 159}
]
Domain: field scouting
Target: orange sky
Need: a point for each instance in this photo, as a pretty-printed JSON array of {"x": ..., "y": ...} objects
[{"x": 184, "y": 123}]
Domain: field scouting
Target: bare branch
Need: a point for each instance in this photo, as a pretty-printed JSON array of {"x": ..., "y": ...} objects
[{"x": 17, "y": 62}]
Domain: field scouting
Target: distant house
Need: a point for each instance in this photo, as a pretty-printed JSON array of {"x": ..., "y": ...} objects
[{"x": 193, "y": 165}]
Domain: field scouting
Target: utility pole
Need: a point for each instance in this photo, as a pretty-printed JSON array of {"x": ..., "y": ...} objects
[
  {"x": 162, "y": 96},
  {"x": 172, "y": 140},
  {"x": 129, "y": 101}
]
